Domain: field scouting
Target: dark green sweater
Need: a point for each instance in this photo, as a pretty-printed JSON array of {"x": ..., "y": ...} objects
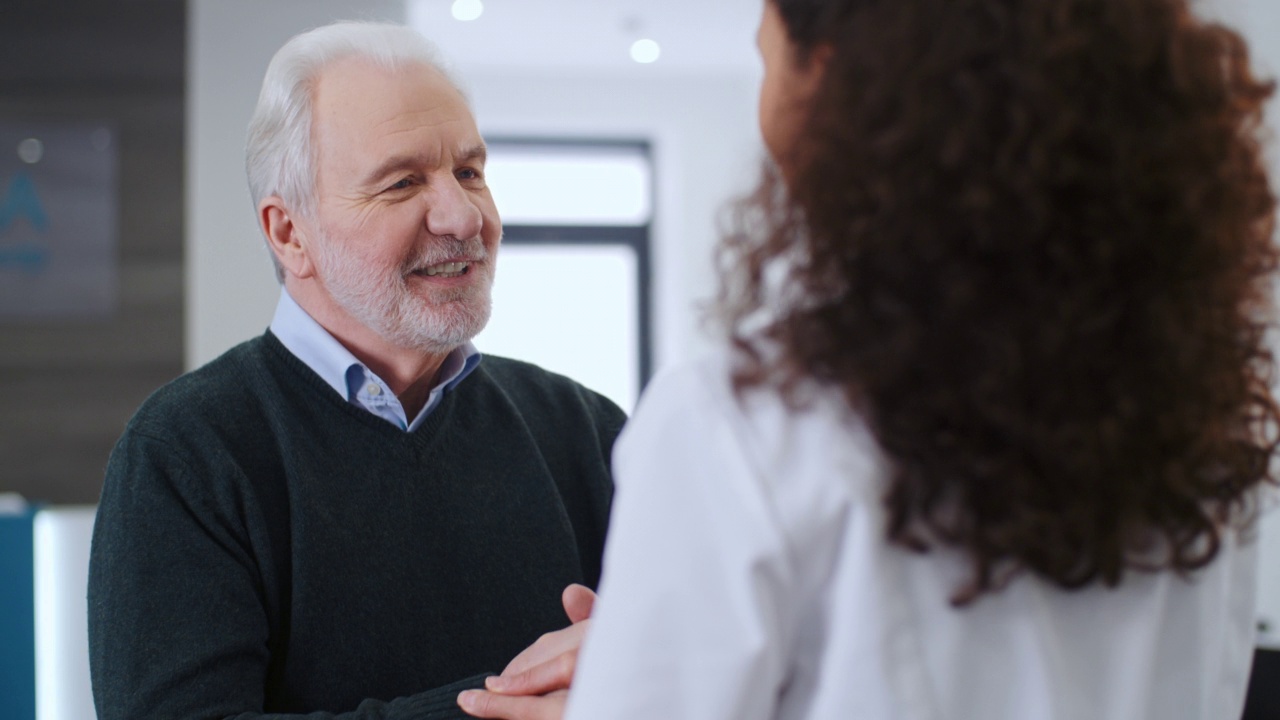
[{"x": 264, "y": 546}]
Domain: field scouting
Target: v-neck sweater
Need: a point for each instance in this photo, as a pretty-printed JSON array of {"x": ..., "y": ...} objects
[{"x": 263, "y": 546}]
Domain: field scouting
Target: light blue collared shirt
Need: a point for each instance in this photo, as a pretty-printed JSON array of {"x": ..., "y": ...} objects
[{"x": 350, "y": 378}]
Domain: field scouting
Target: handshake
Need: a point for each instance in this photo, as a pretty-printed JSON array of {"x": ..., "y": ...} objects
[{"x": 535, "y": 685}]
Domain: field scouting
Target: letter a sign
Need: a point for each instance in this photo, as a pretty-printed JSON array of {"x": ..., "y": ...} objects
[
  {"x": 21, "y": 202},
  {"x": 57, "y": 221}
]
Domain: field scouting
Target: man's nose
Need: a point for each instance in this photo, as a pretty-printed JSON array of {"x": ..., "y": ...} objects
[{"x": 452, "y": 211}]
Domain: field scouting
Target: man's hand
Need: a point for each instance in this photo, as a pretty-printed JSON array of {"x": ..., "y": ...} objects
[{"x": 534, "y": 685}]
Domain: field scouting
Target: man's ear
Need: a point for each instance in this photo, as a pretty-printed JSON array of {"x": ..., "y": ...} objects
[{"x": 285, "y": 237}]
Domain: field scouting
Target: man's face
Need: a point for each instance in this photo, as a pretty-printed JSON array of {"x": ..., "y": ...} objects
[{"x": 407, "y": 232}]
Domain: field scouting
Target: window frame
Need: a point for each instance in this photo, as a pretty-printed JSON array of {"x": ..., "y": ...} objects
[{"x": 637, "y": 237}]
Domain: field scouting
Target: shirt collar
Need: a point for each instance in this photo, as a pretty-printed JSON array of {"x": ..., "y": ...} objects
[
  {"x": 328, "y": 358},
  {"x": 312, "y": 344}
]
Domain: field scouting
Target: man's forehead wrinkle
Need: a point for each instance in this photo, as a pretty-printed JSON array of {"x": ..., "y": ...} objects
[
  {"x": 465, "y": 144},
  {"x": 414, "y": 121},
  {"x": 373, "y": 123}
]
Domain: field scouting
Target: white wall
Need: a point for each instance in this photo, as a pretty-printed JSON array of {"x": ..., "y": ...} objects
[{"x": 1259, "y": 20}]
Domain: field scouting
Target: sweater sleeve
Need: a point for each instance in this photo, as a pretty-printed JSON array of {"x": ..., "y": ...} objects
[
  {"x": 178, "y": 614},
  {"x": 437, "y": 704}
]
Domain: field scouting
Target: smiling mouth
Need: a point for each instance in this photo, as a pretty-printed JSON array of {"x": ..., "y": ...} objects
[{"x": 445, "y": 270}]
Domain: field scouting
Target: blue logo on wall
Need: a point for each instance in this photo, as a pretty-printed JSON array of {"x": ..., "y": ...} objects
[{"x": 22, "y": 203}]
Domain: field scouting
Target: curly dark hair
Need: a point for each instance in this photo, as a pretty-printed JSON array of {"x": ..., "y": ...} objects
[{"x": 1030, "y": 242}]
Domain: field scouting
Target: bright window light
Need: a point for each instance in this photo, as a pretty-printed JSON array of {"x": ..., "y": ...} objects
[
  {"x": 62, "y": 538},
  {"x": 467, "y": 10},
  {"x": 645, "y": 51},
  {"x": 571, "y": 309},
  {"x": 536, "y": 186}
]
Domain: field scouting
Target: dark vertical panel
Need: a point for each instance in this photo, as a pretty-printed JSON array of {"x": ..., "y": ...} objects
[
  {"x": 68, "y": 387},
  {"x": 1263, "y": 702}
]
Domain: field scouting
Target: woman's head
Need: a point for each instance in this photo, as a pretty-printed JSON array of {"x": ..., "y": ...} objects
[
  {"x": 1031, "y": 243},
  {"x": 790, "y": 80}
]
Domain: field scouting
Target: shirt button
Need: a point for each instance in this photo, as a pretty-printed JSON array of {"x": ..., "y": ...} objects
[{"x": 374, "y": 390}]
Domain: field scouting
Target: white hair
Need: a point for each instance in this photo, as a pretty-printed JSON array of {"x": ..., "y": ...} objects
[{"x": 279, "y": 156}]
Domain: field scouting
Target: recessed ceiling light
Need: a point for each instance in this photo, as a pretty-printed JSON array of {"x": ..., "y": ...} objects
[
  {"x": 645, "y": 51},
  {"x": 467, "y": 10}
]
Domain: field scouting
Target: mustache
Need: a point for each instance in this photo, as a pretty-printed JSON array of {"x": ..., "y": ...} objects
[{"x": 445, "y": 249}]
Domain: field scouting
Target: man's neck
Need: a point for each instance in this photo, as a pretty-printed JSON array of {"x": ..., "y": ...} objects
[{"x": 409, "y": 372}]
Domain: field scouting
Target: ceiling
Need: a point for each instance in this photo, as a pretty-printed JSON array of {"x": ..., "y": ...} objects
[
  {"x": 89, "y": 44},
  {"x": 696, "y": 36}
]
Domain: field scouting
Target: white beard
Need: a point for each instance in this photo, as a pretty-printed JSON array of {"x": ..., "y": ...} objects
[{"x": 383, "y": 301}]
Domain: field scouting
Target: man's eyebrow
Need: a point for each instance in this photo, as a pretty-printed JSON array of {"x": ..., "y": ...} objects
[
  {"x": 474, "y": 153},
  {"x": 392, "y": 164}
]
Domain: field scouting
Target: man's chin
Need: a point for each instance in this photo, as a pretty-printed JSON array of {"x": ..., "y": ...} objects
[
  {"x": 438, "y": 296},
  {"x": 445, "y": 327}
]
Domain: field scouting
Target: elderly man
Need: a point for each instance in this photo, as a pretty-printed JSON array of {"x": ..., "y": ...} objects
[{"x": 353, "y": 514}]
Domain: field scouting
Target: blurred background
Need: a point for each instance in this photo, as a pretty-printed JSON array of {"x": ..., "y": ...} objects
[{"x": 618, "y": 129}]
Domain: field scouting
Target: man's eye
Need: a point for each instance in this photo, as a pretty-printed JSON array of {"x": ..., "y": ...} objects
[
  {"x": 468, "y": 174},
  {"x": 401, "y": 185}
]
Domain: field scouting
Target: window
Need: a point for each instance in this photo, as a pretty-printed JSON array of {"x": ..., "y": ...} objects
[{"x": 572, "y": 288}]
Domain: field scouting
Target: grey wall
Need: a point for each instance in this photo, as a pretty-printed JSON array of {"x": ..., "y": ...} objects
[{"x": 67, "y": 388}]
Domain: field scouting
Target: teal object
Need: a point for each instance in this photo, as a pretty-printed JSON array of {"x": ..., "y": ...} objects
[
  {"x": 17, "y": 617},
  {"x": 22, "y": 201}
]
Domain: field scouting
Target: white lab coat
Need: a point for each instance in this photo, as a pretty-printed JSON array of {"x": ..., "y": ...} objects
[{"x": 747, "y": 577}]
